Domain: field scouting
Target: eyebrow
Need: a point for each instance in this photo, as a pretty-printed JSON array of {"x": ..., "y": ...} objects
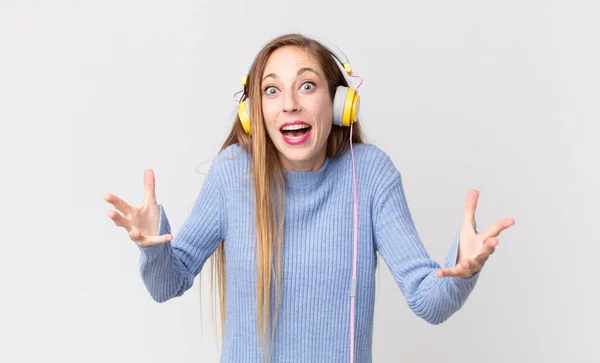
[{"x": 300, "y": 71}]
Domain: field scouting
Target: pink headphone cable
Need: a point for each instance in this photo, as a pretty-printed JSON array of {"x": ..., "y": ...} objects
[{"x": 353, "y": 281}]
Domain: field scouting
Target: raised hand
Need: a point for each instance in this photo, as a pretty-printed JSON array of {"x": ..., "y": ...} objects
[
  {"x": 473, "y": 248},
  {"x": 141, "y": 223}
]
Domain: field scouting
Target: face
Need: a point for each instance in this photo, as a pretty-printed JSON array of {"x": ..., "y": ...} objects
[{"x": 297, "y": 108}]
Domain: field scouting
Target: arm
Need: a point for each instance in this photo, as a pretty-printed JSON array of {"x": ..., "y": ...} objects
[
  {"x": 430, "y": 297},
  {"x": 168, "y": 269}
]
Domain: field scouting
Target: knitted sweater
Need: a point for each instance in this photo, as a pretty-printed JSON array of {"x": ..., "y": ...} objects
[{"x": 314, "y": 316}]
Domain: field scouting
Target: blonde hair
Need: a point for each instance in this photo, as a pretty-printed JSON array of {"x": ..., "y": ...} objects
[{"x": 269, "y": 191}]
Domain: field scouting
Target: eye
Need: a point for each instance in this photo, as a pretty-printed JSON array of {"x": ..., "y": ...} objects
[
  {"x": 310, "y": 85},
  {"x": 268, "y": 90}
]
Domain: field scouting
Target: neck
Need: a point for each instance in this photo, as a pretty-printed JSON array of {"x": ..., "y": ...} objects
[{"x": 304, "y": 165}]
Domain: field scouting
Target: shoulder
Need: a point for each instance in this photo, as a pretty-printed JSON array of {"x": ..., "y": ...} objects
[
  {"x": 233, "y": 156},
  {"x": 370, "y": 151},
  {"x": 231, "y": 153},
  {"x": 375, "y": 170},
  {"x": 231, "y": 165},
  {"x": 372, "y": 161}
]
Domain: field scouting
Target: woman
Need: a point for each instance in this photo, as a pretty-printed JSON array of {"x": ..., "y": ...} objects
[{"x": 294, "y": 260}]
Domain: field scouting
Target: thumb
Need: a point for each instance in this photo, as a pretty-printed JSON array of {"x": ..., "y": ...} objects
[
  {"x": 470, "y": 206},
  {"x": 149, "y": 187}
]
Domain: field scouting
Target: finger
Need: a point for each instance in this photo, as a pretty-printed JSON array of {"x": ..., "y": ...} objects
[
  {"x": 452, "y": 272},
  {"x": 487, "y": 248},
  {"x": 480, "y": 260},
  {"x": 146, "y": 241},
  {"x": 118, "y": 203},
  {"x": 143, "y": 240},
  {"x": 119, "y": 219},
  {"x": 470, "y": 206},
  {"x": 462, "y": 269},
  {"x": 496, "y": 228},
  {"x": 149, "y": 187},
  {"x": 491, "y": 242}
]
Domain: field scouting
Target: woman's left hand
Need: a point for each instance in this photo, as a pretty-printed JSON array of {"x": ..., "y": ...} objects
[{"x": 473, "y": 248}]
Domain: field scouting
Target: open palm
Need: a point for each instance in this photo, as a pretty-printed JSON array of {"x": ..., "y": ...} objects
[
  {"x": 474, "y": 248},
  {"x": 141, "y": 223}
]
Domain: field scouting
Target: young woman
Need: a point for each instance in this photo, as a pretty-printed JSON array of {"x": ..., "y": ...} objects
[{"x": 293, "y": 213}]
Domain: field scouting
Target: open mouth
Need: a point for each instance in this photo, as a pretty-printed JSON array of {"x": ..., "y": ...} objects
[{"x": 295, "y": 131}]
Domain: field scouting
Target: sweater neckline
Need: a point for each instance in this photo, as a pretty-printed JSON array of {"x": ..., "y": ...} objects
[{"x": 307, "y": 179}]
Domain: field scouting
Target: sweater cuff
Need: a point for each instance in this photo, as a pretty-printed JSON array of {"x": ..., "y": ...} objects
[{"x": 453, "y": 252}]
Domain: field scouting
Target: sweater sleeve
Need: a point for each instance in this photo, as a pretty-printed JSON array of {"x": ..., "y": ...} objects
[
  {"x": 432, "y": 298},
  {"x": 168, "y": 269}
]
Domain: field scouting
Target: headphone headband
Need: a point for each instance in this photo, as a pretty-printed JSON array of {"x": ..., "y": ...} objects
[
  {"x": 338, "y": 55},
  {"x": 335, "y": 52}
]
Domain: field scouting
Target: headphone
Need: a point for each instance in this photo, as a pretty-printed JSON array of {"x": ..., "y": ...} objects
[{"x": 346, "y": 102}]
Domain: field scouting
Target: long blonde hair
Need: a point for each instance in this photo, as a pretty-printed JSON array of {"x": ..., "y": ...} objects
[{"x": 269, "y": 191}]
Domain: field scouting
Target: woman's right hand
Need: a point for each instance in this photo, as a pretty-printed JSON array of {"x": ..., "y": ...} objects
[{"x": 141, "y": 223}]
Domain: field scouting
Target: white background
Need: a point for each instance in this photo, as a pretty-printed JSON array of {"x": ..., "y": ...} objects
[{"x": 497, "y": 96}]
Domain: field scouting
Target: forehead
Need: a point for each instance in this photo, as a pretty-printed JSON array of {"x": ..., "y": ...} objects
[{"x": 290, "y": 59}]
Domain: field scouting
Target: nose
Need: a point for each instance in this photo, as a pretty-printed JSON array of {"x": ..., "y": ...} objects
[
  {"x": 291, "y": 109},
  {"x": 290, "y": 103}
]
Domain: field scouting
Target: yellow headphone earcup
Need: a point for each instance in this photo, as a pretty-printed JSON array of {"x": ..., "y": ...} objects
[
  {"x": 355, "y": 108},
  {"x": 351, "y": 106},
  {"x": 244, "y": 115},
  {"x": 346, "y": 105}
]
